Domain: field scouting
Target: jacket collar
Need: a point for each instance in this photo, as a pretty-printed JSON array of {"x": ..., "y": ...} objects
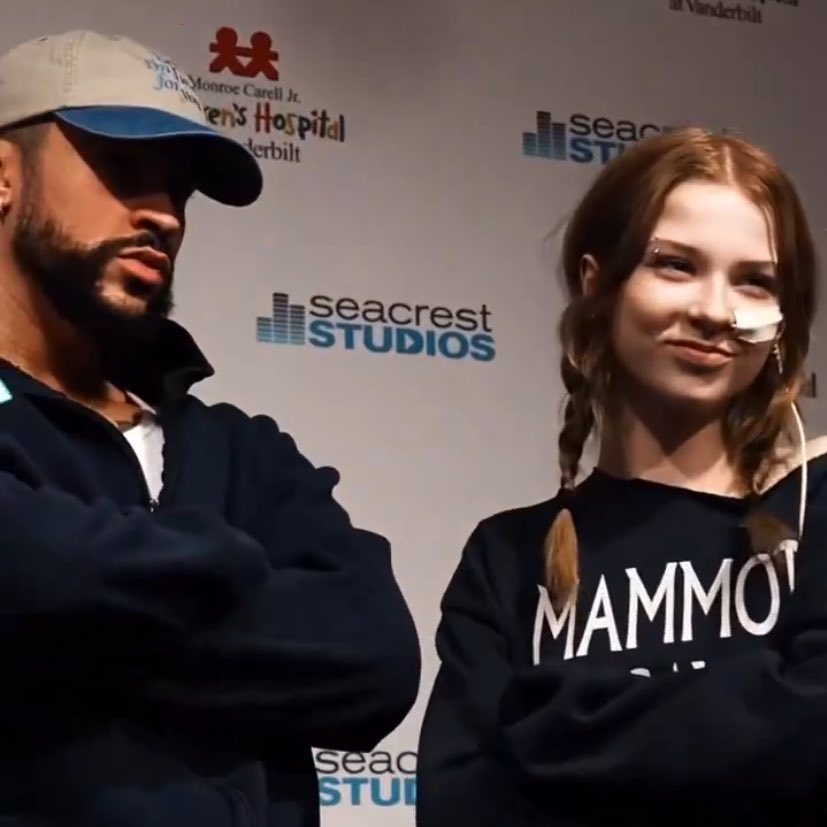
[{"x": 162, "y": 372}]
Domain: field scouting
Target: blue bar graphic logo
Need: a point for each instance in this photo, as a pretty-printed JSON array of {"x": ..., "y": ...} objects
[{"x": 285, "y": 326}]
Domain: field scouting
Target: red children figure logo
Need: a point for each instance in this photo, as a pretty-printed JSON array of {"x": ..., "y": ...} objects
[{"x": 259, "y": 58}]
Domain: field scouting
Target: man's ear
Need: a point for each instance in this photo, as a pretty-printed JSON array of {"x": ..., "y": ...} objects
[
  {"x": 7, "y": 156},
  {"x": 589, "y": 272},
  {"x": 11, "y": 174}
]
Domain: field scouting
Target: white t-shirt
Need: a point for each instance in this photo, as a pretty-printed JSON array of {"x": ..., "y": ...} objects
[{"x": 147, "y": 441}]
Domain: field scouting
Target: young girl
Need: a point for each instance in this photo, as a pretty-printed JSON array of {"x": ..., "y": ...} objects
[{"x": 650, "y": 646}]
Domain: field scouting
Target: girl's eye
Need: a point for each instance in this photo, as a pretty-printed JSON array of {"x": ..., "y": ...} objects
[
  {"x": 761, "y": 281},
  {"x": 670, "y": 263}
]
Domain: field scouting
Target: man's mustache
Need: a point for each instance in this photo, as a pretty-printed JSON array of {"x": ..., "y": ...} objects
[
  {"x": 112, "y": 248},
  {"x": 146, "y": 238}
]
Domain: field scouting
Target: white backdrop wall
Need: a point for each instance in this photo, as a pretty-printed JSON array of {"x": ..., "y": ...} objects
[{"x": 431, "y": 200}]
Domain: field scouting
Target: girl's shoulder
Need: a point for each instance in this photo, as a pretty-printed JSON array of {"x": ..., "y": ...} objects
[{"x": 789, "y": 460}]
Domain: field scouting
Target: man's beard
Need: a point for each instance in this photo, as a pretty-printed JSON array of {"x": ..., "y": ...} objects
[{"x": 70, "y": 277}]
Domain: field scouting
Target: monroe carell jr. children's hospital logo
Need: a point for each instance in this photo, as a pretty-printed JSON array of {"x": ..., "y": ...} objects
[{"x": 244, "y": 91}]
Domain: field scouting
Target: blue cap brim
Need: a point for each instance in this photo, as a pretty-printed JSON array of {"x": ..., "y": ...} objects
[{"x": 226, "y": 170}]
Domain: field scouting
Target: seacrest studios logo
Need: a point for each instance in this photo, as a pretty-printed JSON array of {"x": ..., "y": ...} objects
[
  {"x": 583, "y": 139},
  {"x": 379, "y": 779},
  {"x": 736, "y": 12},
  {"x": 397, "y": 327},
  {"x": 244, "y": 92}
]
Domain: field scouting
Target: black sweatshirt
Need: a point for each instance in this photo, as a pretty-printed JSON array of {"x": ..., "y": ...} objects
[
  {"x": 687, "y": 686},
  {"x": 174, "y": 665}
]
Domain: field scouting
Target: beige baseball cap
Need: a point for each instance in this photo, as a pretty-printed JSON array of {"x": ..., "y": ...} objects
[{"x": 112, "y": 86}]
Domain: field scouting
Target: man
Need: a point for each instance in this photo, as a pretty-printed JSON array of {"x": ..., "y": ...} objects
[{"x": 184, "y": 608}]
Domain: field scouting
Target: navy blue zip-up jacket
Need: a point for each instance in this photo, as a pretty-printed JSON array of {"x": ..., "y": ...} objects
[{"x": 172, "y": 664}]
